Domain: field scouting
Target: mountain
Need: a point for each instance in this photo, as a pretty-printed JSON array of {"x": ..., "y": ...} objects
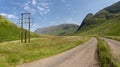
[
  {"x": 8, "y": 30},
  {"x": 104, "y": 22},
  {"x": 63, "y": 29}
]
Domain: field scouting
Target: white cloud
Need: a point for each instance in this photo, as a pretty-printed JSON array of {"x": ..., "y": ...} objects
[
  {"x": 43, "y": 7},
  {"x": 40, "y": 6},
  {"x": 26, "y": 6},
  {"x": 10, "y": 16},
  {"x": 34, "y": 2}
]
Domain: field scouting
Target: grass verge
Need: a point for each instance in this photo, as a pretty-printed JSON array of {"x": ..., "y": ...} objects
[
  {"x": 13, "y": 53},
  {"x": 105, "y": 56},
  {"x": 113, "y": 37}
]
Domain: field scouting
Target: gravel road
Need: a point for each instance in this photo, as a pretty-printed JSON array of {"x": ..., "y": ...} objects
[
  {"x": 80, "y": 56},
  {"x": 115, "y": 48}
]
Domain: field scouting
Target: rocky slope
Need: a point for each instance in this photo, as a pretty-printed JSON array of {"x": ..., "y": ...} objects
[{"x": 104, "y": 22}]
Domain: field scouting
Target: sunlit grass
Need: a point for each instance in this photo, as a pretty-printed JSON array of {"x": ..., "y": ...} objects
[
  {"x": 104, "y": 53},
  {"x": 13, "y": 53}
]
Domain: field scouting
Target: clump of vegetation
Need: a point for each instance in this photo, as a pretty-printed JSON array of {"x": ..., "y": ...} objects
[
  {"x": 13, "y": 53},
  {"x": 105, "y": 56},
  {"x": 104, "y": 53}
]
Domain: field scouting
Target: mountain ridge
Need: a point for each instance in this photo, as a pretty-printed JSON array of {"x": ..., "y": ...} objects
[
  {"x": 62, "y": 29},
  {"x": 104, "y": 22}
]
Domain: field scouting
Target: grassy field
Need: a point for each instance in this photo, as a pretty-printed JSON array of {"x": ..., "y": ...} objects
[
  {"x": 13, "y": 53},
  {"x": 105, "y": 56}
]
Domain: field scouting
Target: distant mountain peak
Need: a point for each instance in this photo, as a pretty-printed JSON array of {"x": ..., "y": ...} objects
[
  {"x": 86, "y": 20},
  {"x": 63, "y": 29}
]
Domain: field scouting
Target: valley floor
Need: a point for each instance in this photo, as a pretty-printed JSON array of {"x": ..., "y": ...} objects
[
  {"x": 13, "y": 53},
  {"x": 86, "y": 54},
  {"x": 81, "y": 56}
]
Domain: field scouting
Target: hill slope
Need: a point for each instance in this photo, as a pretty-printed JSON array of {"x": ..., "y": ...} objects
[
  {"x": 105, "y": 22},
  {"x": 8, "y": 30},
  {"x": 63, "y": 29}
]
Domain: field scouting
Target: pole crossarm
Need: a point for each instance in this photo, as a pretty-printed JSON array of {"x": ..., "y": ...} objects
[{"x": 25, "y": 34}]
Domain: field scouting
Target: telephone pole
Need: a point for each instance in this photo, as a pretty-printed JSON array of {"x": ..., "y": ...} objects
[
  {"x": 25, "y": 33},
  {"x": 22, "y": 30},
  {"x": 29, "y": 27}
]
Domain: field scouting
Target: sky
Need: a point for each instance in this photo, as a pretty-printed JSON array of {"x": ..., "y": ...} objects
[{"x": 52, "y": 12}]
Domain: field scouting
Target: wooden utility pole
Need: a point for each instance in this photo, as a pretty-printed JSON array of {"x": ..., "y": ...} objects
[
  {"x": 29, "y": 27},
  {"x": 25, "y": 34},
  {"x": 22, "y": 30}
]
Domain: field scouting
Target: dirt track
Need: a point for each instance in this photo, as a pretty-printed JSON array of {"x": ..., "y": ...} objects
[
  {"x": 81, "y": 56},
  {"x": 115, "y": 48}
]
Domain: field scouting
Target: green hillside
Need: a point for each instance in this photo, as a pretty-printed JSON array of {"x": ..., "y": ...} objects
[
  {"x": 63, "y": 29},
  {"x": 105, "y": 22},
  {"x": 8, "y": 30}
]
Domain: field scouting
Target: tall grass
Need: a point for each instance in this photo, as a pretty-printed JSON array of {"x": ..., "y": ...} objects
[
  {"x": 105, "y": 56},
  {"x": 104, "y": 53},
  {"x": 13, "y": 53}
]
